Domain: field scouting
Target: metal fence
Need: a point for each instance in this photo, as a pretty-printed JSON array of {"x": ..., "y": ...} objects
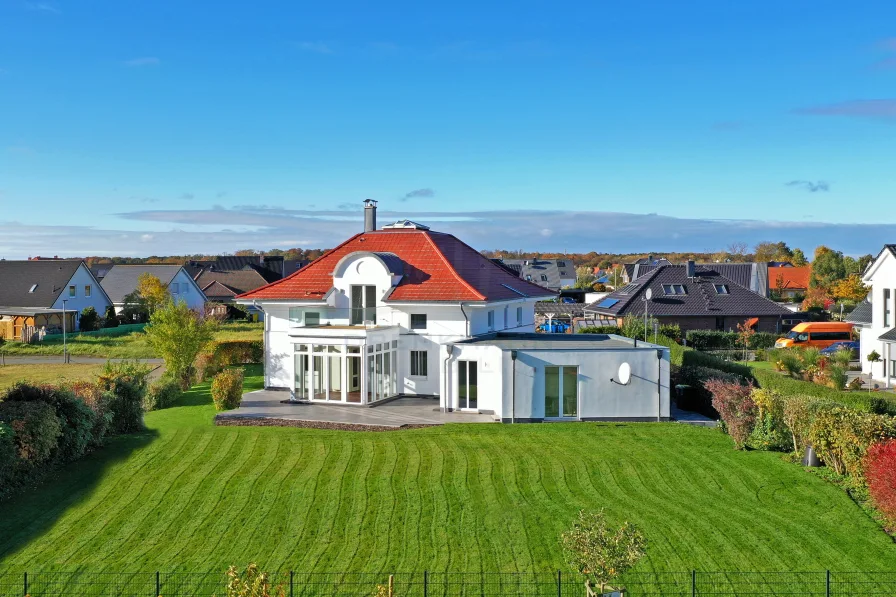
[{"x": 449, "y": 584}]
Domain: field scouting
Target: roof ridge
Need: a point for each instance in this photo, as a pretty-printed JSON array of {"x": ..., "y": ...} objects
[{"x": 450, "y": 265}]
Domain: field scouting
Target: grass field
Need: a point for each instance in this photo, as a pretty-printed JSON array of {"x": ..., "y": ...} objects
[
  {"x": 130, "y": 346},
  {"x": 47, "y": 373},
  {"x": 190, "y": 496}
]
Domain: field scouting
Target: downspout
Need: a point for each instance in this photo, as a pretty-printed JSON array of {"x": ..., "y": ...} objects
[
  {"x": 659, "y": 386},
  {"x": 449, "y": 348},
  {"x": 513, "y": 355},
  {"x": 466, "y": 320}
]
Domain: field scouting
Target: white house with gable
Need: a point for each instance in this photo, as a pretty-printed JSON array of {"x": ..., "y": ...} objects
[
  {"x": 880, "y": 334},
  {"x": 407, "y": 311}
]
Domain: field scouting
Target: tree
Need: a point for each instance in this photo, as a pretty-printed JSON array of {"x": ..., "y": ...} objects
[
  {"x": 179, "y": 334},
  {"x": 89, "y": 319},
  {"x": 873, "y": 357},
  {"x": 764, "y": 252},
  {"x": 827, "y": 268},
  {"x": 799, "y": 258},
  {"x": 850, "y": 289},
  {"x": 744, "y": 332},
  {"x": 738, "y": 250},
  {"x": 600, "y": 552},
  {"x": 584, "y": 278},
  {"x": 816, "y": 298},
  {"x": 110, "y": 319},
  {"x": 152, "y": 291}
]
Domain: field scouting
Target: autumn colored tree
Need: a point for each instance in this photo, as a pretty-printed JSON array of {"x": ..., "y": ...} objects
[
  {"x": 799, "y": 258},
  {"x": 744, "y": 332},
  {"x": 880, "y": 471},
  {"x": 816, "y": 297},
  {"x": 827, "y": 268},
  {"x": 152, "y": 291},
  {"x": 850, "y": 289}
]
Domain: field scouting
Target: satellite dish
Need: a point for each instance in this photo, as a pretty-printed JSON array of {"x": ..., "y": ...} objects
[
  {"x": 649, "y": 294},
  {"x": 625, "y": 373}
]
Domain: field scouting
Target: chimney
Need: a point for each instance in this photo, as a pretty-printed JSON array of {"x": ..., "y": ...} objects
[
  {"x": 691, "y": 268},
  {"x": 369, "y": 215}
]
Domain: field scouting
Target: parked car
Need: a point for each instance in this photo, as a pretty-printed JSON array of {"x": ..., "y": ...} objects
[
  {"x": 819, "y": 334},
  {"x": 852, "y": 346}
]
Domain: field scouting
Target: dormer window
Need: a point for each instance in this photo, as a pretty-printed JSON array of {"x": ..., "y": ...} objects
[
  {"x": 721, "y": 288},
  {"x": 363, "y": 304}
]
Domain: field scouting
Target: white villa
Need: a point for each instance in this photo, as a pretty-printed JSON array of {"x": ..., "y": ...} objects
[
  {"x": 407, "y": 311},
  {"x": 880, "y": 334}
]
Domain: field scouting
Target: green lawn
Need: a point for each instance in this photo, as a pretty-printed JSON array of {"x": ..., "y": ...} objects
[
  {"x": 129, "y": 346},
  {"x": 188, "y": 495},
  {"x": 47, "y": 373}
]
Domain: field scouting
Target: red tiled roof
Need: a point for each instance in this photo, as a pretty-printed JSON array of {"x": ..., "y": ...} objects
[
  {"x": 438, "y": 267},
  {"x": 789, "y": 278}
]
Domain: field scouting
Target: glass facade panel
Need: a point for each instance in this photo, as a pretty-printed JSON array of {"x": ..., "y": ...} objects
[
  {"x": 551, "y": 392},
  {"x": 570, "y": 392},
  {"x": 370, "y": 303},
  {"x": 354, "y": 380},
  {"x": 387, "y": 374},
  {"x": 334, "y": 376},
  {"x": 379, "y": 377},
  {"x": 462, "y": 384},
  {"x": 301, "y": 376},
  {"x": 371, "y": 378},
  {"x": 357, "y": 314},
  {"x": 319, "y": 389},
  {"x": 473, "y": 379}
]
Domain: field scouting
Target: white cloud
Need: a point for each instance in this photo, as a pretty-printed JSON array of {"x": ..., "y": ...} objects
[{"x": 145, "y": 238}]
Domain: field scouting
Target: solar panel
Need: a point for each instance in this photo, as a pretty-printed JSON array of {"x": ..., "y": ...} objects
[{"x": 607, "y": 303}]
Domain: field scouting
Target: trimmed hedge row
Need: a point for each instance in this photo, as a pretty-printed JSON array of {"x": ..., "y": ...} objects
[
  {"x": 226, "y": 353},
  {"x": 719, "y": 340},
  {"x": 788, "y": 386}
]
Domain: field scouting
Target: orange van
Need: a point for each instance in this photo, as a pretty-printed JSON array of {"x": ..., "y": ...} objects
[{"x": 819, "y": 334}]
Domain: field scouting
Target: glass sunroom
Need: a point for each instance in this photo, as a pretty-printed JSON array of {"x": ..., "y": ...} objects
[{"x": 348, "y": 371}]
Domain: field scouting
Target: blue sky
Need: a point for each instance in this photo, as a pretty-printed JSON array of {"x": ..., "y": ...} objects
[{"x": 166, "y": 127}]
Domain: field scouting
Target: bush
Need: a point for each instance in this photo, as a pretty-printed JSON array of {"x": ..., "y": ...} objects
[
  {"x": 602, "y": 329},
  {"x": 836, "y": 377},
  {"x": 98, "y": 400},
  {"x": 671, "y": 331},
  {"x": 227, "y": 389},
  {"x": 721, "y": 340},
  {"x": 110, "y": 320},
  {"x": 75, "y": 417},
  {"x": 736, "y": 408},
  {"x": 36, "y": 429},
  {"x": 7, "y": 456},
  {"x": 701, "y": 398},
  {"x": 842, "y": 436},
  {"x": 89, "y": 320},
  {"x": 770, "y": 431},
  {"x": 792, "y": 363},
  {"x": 162, "y": 393},
  {"x": 205, "y": 366},
  {"x": 127, "y": 381},
  {"x": 238, "y": 352},
  {"x": 798, "y": 413},
  {"x": 880, "y": 471},
  {"x": 862, "y": 401},
  {"x": 601, "y": 552}
]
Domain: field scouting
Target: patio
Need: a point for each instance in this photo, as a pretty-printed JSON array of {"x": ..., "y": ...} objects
[{"x": 266, "y": 407}]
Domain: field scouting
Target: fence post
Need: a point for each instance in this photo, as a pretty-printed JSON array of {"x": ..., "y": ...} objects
[
  {"x": 827, "y": 583},
  {"x": 158, "y": 584},
  {"x": 425, "y": 583},
  {"x": 25, "y": 592},
  {"x": 693, "y": 583},
  {"x": 290, "y": 583},
  {"x": 559, "y": 584}
]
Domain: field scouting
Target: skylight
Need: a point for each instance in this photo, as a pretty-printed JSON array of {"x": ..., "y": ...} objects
[
  {"x": 671, "y": 289},
  {"x": 721, "y": 288},
  {"x": 607, "y": 303},
  {"x": 629, "y": 289},
  {"x": 33, "y": 288}
]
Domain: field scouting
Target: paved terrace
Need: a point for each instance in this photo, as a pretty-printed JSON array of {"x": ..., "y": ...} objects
[{"x": 265, "y": 407}]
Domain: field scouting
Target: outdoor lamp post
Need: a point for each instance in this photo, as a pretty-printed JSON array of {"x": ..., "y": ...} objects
[{"x": 647, "y": 296}]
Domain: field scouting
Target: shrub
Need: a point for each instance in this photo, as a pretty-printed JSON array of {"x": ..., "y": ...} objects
[
  {"x": 696, "y": 378},
  {"x": 880, "y": 471},
  {"x": 75, "y": 417},
  {"x": 127, "y": 381},
  {"x": 797, "y": 413},
  {"x": 162, "y": 393},
  {"x": 98, "y": 400},
  {"x": 251, "y": 583},
  {"x": 842, "y": 357},
  {"x": 792, "y": 363},
  {"x": 836, "y": 377},
  {"x": 110, "y": 320},
  {"x": 89, "y": 320},
  {"x": 601, "y": 552},
  {"x": 671, "y": 331},
  {"x": 633, "y": 327},
  {"x": 862, "y": 401},
  {"x": 36, "y": 429},
  {"x": 205, "y": 366},
  {"x": 770, "y": 431},
  {"x": 841, "y": 437},
  {"x": 811, "y": 356},
  {"x": 721, "y": 340},
  {"x": 736, "y": 408},
  {"x": 601, "y": 329},
  {"x": 227, "y": 389},
  {"x": 238, "y": 352},
  {"x": 7, "y": 455}
]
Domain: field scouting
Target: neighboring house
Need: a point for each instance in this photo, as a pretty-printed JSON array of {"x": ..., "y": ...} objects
[
  {"x": 34, "y": 294},
  {"x": 270, "y": 267},
  {"x": 879, "y": 334},
  {"x": 639, "y": 267},
  {"x": 553, "y": 274},
  {"x": 753, "y": 276},
  {"x": 789, "y": 281},
  {"x": 409, "y": 311},
  {"x": 222, "y": 286},
  {"x": 695, "y": 297},
  {"x": 122, "y": 280}
]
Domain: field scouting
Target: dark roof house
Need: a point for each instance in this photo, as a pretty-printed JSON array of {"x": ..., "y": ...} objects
[
  {"x": 694, "y": 296},
  {"x": 222, "y": 286},
  {"x": 548, "y": 273}
]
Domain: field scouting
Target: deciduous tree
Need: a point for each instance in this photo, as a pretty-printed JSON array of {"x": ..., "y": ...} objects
[
  {"x": 799, "y": 258},
  {"x": 851, "y": 289},
  {"x": 152, "y": 291},
  {"x": 600, "y": 551},
  {"x": 179, "y": 334},
  {"x": 584, "y": 277}
]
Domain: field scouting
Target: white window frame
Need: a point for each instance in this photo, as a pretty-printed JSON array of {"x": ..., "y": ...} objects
[{"x": 418, "y": 358}]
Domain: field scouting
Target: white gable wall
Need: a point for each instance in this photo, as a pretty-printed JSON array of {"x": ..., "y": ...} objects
[
  {"x": 881, "y": 275},
  {"x": 183, "y": 288},
  {"x": 81, "y": 280}
]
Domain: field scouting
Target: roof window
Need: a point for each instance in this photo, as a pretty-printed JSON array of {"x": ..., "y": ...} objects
[
  {"x": 33, "y": 288},
  {"x": 721, "y": 288},
  {"x": 672, "y": 289}
]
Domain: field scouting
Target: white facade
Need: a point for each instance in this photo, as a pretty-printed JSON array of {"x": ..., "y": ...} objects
[
  {"x": 82, "y": 291},
  {"x": 881, "y": 277},
  {"x": 356, "y": 346}
]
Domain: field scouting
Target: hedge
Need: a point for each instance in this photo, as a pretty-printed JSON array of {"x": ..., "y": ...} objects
[
  {"x": 788, "y": 386},
  {"x": 719, "y": 340},
  {"x": 237, "y": 352}
]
